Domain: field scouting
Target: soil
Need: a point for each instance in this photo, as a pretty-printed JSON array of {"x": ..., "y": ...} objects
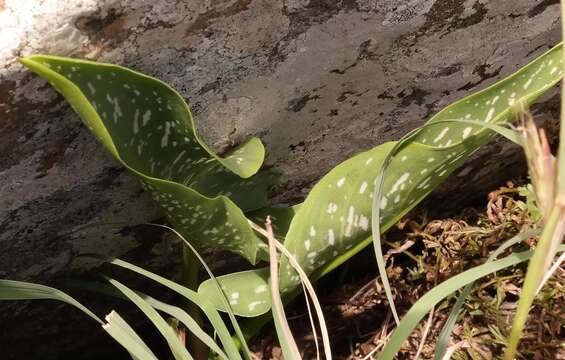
[{"x": 423, "y": 252}]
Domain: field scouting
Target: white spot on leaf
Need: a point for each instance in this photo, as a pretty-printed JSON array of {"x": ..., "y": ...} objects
[
  {"x": 332, "y": 208},
  {"x": 165, "y": 138},
  {"x": 383, "y": 203},
  {"x": 399, "y": 182},
  {"x": 146, "y": 117},
  {"x": 363, "y": 187},
  {"x": 441, "y": 134},
  {"x": 364, "y": 222},
  {"x": 350, "y": 220},
  {"x": 252, "y": 305},
  {"x": 467, "y": 132},
  {"x": 331, "y": 237},
  {"x": 260, "y": 289},
  {"x": 490, "y": 114},
  {"x": 91, "y": 88}
]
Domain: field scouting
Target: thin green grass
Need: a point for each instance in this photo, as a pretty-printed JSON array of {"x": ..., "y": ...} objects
[
  {"x": 440, "y": 292},
  {"x": 443, "y": 338}
]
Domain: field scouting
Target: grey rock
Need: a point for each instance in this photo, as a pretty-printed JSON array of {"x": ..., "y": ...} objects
[{"x": 317, "y": 81}]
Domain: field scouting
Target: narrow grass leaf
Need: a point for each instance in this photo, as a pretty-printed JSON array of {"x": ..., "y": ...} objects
[
  {"x": 19, "y": 290},
  {"x": 561, "y": 151},
  {"x": 545, "y": 251},
  {"x": 205, "y": 305},
  {"x": 310, "y": 295},
  {"x": 171, "y": 310},
  {"x": 120, "y": 330},
  {"x": 115, "y": 326},
  {"x": 231, "y": 315},
  {"x": 286, "y": 339},
  {"x": 508, "y": 133},
  {"x": 188, "y": 321},
  {"x": 305, "y": 282},
  {"x": 177, "y": 348}
]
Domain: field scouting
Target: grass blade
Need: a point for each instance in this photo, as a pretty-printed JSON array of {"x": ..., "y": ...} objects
[
  {"x": 188, "y": 321},
  {"x": 224, "y": 299},
  {"x": 307, "y": 284},
  {"x": 312, "y": 324},
  {"x": 120, "y": 330},
  {"x": 561, "y": 152},
  {"x": 177, "y": 348},
  {"x": 544, "y": 253},
  {"x": 116, "y": 327},
  {"x": 207, "y": 307},
  {"x": 510, "y": 134},
  {"x": 174, "y": 311},
  {"x": 19, "y": 290},
  {"x": 286, "y": 340},
  {"x": 551, "y": 271}
]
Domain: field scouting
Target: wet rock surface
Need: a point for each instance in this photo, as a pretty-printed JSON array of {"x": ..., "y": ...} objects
[{"x": 317, "y": 81}]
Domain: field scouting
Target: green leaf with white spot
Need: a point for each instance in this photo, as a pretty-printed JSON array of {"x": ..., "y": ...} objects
[
  {"x": 147, "y": 126},
  {"x": 247, "y": 291},
  {"x": 336, "y": 215},
  {"x": 334, "y": 222}
]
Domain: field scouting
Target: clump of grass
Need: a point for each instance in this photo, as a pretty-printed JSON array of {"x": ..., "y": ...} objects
[
  {"x": 422, "y": 252},
  {"x": 442, "y": 248}
]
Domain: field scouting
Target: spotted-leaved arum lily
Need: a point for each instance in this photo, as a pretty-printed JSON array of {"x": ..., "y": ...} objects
[{"x": 147, "y": 126}]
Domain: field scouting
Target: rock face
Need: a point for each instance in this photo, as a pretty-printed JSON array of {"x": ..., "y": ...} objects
[{"x": 317, "y": 80}]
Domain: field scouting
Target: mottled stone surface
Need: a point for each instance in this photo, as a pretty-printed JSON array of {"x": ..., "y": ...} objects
[{"x": 316, "y": 80}]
